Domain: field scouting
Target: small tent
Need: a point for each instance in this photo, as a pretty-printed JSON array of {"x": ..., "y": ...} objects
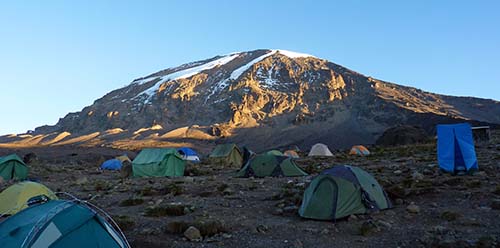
[
  {"x": 271, "y": 165},
  {"x": 359, "y": 150},
  {"x": 15, "y": 198},
  {"x": 12, "y": 167},
  {"x": 124, "y": 158},
  {"x": 227, "y": 155},
  {"x": 59, "y": 224},
  {"x": 274, "y": 152},
  {"x": 455, "y": 148},
  {"x": 112, "y": 164},
  {"x": 320, "y": 150},
  {"x": 341, "y": 191},
  {"x": 189, "y": 154},
  {"x": 158, "y": 162},
  {"x": 291, "y": 153}
]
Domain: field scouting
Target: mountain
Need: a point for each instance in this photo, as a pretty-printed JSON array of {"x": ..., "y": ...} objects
[{"x": 263, "y": 99}]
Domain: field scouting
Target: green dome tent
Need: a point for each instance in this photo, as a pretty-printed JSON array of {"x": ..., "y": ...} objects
[
  {"x": 227, "y": 155},
  {"x": 12, "y": 167},
  {"x": 270, "y": 165},
  {"x": 158, "y": 162},
  {"x": 341, "y": 191},
  {"x": 59, "y": 224}
]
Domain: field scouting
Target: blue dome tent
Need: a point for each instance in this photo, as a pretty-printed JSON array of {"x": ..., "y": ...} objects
[
  {"x": 112, "y": 164},
  {"x": 189, "y": 154}
]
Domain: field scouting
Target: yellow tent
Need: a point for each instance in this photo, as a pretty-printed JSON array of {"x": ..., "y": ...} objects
[
  {"x": 15, "y": 198},
  {"x": 123, "y": 158}
]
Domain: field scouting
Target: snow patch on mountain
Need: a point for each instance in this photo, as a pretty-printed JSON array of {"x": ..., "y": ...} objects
[
  {"x": 186, "y": 74},
  {"x": 293, "y": 55},
  {"x": 238, "y": 72}
]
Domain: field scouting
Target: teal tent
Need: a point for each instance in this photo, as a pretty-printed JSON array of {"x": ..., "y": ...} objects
[
  {"x": 59, "y": 224},
  {"x": 12, "y": 167},
  {"x": 266, "y": 165},
  {"x": 341, "y": 191},
  {"x": 158, "y": 162}
]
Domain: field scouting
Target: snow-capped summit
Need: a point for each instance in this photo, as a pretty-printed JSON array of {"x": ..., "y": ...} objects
[{"x": 266, "y": 98}]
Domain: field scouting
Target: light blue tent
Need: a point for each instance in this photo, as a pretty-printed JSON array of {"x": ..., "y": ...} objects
[
  {"x": 112, "y": 164},
  {"x": 456, "y": 152}
]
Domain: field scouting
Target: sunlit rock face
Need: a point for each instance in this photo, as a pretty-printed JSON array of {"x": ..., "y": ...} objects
[{"x": 267, "y": 97}]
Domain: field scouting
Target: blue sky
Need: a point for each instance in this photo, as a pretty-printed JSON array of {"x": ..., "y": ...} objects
[{"x": 59, "y": 56}]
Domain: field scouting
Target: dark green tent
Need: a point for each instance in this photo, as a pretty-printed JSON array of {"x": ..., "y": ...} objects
[
  {"x": 59, "y": 224},
  {"x": 341, "y": 191},
  {"x": 12, "y": 167},
  {"x": 158, "y": 162},
  {"x": 227, "y": 155},
  {"x": 271, "y": 165}
]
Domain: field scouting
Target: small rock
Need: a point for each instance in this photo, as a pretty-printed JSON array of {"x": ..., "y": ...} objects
[
  {"x": 228, "y": 191},
  {"x": 439, "y": 229},
  {"x": 412, "y": 208},
  {"x": 227, "y": 235},
  {"x": 385, "y": 224},
  {"x": 290, "y": 209},
  {"x": 352, "y": 217},
  {"x": 278, "y": 211},
  {"x": 417, "y": 176},
  {"x": 82, "y": 180},
  {"x": 368, "y": 227},
  {"x": 188, "y": 179},
  {"x": 398, "y": 172},
  {"x": 399, "y": 201},
  {"x": 192, "y": 234},
  {"x": 262, "y": 228},
  {"x": 325, "y": 231}
]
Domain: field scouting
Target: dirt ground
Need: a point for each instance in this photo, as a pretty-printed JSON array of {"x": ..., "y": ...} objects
[{"x": 431, "y": 209}]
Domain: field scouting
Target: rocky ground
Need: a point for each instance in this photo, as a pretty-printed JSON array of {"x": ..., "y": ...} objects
[{"x": 211, "y": 208}]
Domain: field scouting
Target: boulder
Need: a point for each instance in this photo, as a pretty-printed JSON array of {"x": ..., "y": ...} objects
[{"x": 192, "y": 234}]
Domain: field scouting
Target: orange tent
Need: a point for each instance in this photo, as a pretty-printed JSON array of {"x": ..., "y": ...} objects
[{"x": 359, "y": 150}]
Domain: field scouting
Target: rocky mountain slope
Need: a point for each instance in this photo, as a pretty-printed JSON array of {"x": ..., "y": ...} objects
[{"x": 261, "y": 98}]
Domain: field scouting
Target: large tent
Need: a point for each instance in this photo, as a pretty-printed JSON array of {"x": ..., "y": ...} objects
[
  {"x": 158, "y": 162},
  {"x": 271, "y": 165},
  {"x": 13, "y": 167},
  {"x": 341, "y": 191},
  {"x": 227, "y": 155},
  {"x": 320, "y": 150},
  {"x": 189, "y": 154},
  {"x": 359, "y": 150},
  {"x": 59, "y": 224},
  {"x": 15, "y": 198},
  {"x": 455, "y": 148}
]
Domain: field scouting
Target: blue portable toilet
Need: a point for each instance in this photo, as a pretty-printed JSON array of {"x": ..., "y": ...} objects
[
  {"x": 189, "y": 154},
  {"x": 112, "y": 164},
  {"x": 456, "y": 152}
]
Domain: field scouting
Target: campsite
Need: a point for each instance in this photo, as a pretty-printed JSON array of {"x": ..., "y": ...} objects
[
  {"x": 242, "y": 124},
  {"x": 430, "y": 208}
]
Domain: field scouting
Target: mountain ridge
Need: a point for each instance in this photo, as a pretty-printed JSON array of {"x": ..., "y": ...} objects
[{"x": 278, "y": 96}]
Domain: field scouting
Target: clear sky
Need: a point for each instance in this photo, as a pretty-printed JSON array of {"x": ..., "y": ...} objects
[{"x": 59, "y": 56}]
